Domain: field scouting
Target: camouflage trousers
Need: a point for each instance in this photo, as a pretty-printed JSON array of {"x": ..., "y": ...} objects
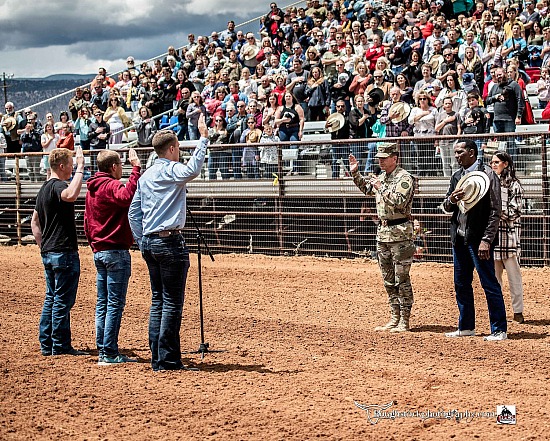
[{"x": 395, "y": 260}]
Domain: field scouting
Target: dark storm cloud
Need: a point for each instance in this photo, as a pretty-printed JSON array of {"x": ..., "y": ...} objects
[{"x": 108, "y": 22}]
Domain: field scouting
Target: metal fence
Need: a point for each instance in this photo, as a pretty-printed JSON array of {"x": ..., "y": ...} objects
[{"x": 306, "y": 202}]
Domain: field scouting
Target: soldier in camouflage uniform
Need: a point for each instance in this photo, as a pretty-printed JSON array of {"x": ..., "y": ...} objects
[{"x": 393, "y": 190}]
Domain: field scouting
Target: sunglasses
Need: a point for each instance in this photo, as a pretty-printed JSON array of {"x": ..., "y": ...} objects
[
  {"x": 219, "y": 120},
  {"x": 422, "y": 99}
]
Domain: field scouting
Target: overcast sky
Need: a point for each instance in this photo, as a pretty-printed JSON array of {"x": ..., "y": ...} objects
[{"x": 39, "y": 38}]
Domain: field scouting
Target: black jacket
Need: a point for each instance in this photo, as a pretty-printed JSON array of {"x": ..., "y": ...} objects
[
  {"x": 483, "y": 218},
  {"x": 513, "y": 105}
]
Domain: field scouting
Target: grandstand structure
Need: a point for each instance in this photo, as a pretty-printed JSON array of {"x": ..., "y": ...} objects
[{"x": 310, "y": 212}]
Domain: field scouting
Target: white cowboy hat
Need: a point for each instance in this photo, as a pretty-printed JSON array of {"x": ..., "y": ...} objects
[
  {"x": 402, "y": 108},
  {"x": 475, "y": 185},
  {"x": 250, "y": 52},
  {"x": 335, "y": 122}
]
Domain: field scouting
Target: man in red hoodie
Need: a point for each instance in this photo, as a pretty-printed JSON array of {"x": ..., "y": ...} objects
[{"x": 108, "y": 232}]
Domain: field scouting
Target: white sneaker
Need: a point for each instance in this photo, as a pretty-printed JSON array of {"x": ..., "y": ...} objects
[
  {"x": 461, "y": 333},
  {"x": 496, "y": 336}
]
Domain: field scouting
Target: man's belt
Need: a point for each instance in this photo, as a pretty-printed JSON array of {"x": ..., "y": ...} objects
[
  {"x": 392, "y": 222},
  {"x": 167, "y": 233}
]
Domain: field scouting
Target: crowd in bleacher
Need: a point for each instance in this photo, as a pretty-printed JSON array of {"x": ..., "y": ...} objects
[{"x": 390, "y": 68}]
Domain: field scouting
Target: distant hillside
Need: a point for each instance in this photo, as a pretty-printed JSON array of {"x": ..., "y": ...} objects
[
  {"x": 27, "y": 92},
  {"x": 67, "y": 77}
]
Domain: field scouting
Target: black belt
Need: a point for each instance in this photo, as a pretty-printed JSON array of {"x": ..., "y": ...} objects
[
  {"x": 393, "y": 222},
  {"x": 166, "y": 233},
  {"x": 290, "y": 126}
]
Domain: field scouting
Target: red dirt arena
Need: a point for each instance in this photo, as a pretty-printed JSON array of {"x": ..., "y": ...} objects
[{"x": 299, "y": 351}]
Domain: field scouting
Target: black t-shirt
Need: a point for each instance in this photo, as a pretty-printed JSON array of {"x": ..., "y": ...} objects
[{"x": 56, "y": 218}]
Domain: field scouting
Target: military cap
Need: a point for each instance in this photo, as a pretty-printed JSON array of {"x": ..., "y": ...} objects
[{"x": 386, "y": 149}]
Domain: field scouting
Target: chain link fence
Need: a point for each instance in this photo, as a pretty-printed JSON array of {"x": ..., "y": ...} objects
[{"x": 305, "y": 202}]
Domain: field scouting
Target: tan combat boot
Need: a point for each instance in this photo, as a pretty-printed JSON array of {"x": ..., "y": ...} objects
[
  {"x": 403, "y": 325},
  {"x": 394, "y": 320}
]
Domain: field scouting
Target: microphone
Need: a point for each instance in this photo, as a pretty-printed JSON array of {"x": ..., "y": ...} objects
[{"x": 377, "y": 170}]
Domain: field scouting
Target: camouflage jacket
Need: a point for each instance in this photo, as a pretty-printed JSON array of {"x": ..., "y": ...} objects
[{"x": 393, "y": 201}]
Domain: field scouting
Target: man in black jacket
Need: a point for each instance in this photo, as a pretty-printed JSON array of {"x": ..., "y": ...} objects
[
  {"x": 473, "y": 235},
  {"x": 98, "y": 134},
  {"x": 340, "y": 152},
  {"x": 509, "y": 105},
  {"x": 30, "y": 143}
]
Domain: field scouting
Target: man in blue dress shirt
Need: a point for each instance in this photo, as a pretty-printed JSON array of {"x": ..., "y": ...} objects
[{"x": 157, "y": 219}]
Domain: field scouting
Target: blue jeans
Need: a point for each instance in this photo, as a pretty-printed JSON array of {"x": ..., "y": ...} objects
[
  {"x": 339, "y": 152},
  {"x": 290, "y": 134},
  {"x": 193, "y": 132},
  {"x": 465, "y": 260},
  {"x": 219, "y": 159},
  {"x": 511, "y": 146},
  {"x": 113, "y": 272},
  {"x": 167, "y": 259},
  {"x": 183, "y": 132},
  {"x": 236, "y": 159},
  {"x": 62, "y": 271},
  {"x": 371, "y": 151}
]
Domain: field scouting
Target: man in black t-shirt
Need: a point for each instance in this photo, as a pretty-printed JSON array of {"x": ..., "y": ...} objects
[{"x": 54, "y": 229}]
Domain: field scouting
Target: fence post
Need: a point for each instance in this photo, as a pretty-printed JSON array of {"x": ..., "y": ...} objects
[
  {"x": 545, "y": 201},
  {"x": 18, "y": 199}
]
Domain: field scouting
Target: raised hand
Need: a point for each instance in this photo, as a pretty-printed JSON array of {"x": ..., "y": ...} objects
[
  {"x": 133, "y": 158},
  {"x": 353, "y": 163},
  {"x": 203, "y": 129},
  {"x": 79, "y": 158}
]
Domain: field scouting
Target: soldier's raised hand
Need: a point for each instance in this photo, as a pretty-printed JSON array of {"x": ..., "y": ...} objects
[{"x": 353, "y": 164}]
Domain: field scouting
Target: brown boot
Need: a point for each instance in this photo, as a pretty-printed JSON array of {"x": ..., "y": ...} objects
[
  {"x": 518, "y": 317},
  {"x": 394, "y": 320},
  {"x": 403, "y": 325}
]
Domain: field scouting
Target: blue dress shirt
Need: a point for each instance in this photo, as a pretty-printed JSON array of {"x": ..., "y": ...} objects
[{"x": 160, "y": 200}]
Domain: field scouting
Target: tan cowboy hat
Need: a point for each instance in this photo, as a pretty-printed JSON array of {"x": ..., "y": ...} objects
[
  {"x": 475, "y": 185},
  {"x": 435, "y": 61},
  {"x": 250, "y": 52},
  {"x": 253, "y": 136},
  {"x": 335, "y": 122},
  {"x": 9, "y": 123},
  {"x": 402, "y": 108}
]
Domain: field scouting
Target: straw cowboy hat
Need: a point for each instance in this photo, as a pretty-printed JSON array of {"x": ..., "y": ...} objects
[
  {"x": 475, "y": 185},
  {"x": 335, "y": 122},
  {"x": 435, "y": 61},
  {"x": 402, "y": 108},
  {"x": 250, "y": 51},
  {"x": 253, "y": 136},
  {"x": 9, "y": 123}
]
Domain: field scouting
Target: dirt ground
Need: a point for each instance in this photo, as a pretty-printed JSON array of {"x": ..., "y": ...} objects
[{"x": 299, "y": 350}]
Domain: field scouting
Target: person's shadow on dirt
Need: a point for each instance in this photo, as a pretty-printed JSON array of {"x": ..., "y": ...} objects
[{"x": 433, "y": 328}]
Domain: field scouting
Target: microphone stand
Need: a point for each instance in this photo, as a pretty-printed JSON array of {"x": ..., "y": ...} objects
[{"x": 204, "y": 347}]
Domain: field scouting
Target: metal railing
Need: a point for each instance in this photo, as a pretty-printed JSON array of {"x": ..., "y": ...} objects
[{"x": 296, "y": 206}]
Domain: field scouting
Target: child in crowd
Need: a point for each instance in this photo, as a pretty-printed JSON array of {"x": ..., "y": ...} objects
[
  {"x": 268, "y": 155},
  {"x": 251, "y": 155}
]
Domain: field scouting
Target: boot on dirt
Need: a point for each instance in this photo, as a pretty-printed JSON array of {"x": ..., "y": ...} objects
[
  {"x": 403, "y": 325},
  {"x": 394, "y": 320}
]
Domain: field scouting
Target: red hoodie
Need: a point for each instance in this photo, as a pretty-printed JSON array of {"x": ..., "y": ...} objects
[{"x": 106, "y": 215}]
